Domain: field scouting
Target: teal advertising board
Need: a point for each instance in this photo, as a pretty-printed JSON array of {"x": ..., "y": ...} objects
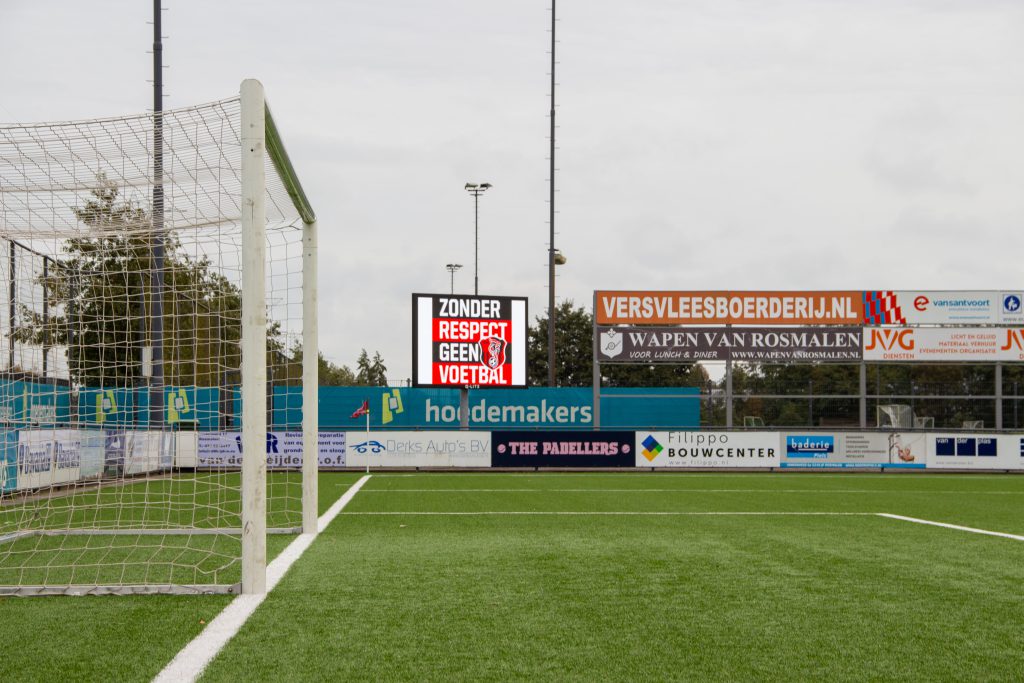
[
  {"x": 34, "y": 403},
  {"x": 535, "y": 408}
]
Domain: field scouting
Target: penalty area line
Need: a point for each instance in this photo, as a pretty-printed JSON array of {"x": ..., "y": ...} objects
[
  {"x": 957, "y": 527},
  {"x": 190, "y": 662}
]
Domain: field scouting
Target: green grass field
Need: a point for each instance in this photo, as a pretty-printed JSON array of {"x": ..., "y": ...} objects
[
  {"x": 597, "y": 577},
  {"x": 206, "y": 501}
]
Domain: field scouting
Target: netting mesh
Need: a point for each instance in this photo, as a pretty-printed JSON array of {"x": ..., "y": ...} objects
[{"x": 120, "y": 327}]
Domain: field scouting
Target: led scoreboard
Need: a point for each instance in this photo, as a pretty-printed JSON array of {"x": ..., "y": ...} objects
[{"x": 461, "y": 340}]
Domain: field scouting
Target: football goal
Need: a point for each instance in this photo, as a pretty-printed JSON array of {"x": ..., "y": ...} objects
[{"x": 157, "y": 290}]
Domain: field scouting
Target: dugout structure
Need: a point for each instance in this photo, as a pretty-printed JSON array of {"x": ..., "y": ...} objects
[{"x": 159, "y": 279}]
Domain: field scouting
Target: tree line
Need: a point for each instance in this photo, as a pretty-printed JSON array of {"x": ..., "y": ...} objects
[{"x": 99, "y": 300}]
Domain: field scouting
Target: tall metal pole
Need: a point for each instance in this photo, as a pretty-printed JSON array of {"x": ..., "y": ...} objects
[
  {"x": 12, "y": 310},
  {"x": 46, "y": 313},
  {"x": 551, "y": 218},
  {"x": 476, "y": 189},
  {"x": 999, "y": 395},
  {"x": 156, "y": 386},
  {"x": 476, "y": 243}
]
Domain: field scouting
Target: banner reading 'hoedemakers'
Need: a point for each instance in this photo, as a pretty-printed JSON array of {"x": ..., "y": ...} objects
[{"x": 760, "y": 344}]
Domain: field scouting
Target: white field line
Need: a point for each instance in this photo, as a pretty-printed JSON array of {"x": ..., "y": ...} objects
[
  {"x": 672, "y": 513},
  {"x": 972, "y": 530},
  {"x": 189, "y": 663},
  {"x": 694, "y": 490},
  {"x": 688, "y": 472},
  {"x": 628, "y": 513}
]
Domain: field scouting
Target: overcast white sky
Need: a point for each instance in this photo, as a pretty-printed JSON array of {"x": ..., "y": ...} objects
[{"x": 703, "y": 144}]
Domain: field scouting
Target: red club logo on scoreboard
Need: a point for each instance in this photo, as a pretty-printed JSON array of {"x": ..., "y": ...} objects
[
  {"x": 493, "y": 351},
  {"x": 469, "y": 341}
]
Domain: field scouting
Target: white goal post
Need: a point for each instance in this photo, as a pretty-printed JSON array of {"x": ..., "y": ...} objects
[{"x": 158, "y": 306}]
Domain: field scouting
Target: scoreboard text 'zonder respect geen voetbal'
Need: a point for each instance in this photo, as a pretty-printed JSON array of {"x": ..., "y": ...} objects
[{"x": 465, "y": 340}]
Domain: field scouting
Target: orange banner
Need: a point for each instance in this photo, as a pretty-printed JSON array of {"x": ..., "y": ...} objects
[{"x": 723, "y": 308}]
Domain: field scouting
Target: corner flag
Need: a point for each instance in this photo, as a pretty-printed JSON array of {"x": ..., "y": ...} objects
[{"x": 362, "y": 410}]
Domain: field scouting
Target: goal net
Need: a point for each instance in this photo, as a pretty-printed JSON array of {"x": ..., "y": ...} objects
[{"x": 157, "y": 290}]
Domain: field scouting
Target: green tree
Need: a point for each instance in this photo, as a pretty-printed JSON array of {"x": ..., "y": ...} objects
[
  {"x": 100, "y": 299},
  {"x": 573, "y": 348},
  {"x": 329, "y": 374},
  {"x": 371, "y": 373},
  {"x": 332, "y": 375},
  {"x": 574, "y": 357}
]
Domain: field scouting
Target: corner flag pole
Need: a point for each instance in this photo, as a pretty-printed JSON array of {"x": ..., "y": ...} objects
[{"x": 367, "y": 438}]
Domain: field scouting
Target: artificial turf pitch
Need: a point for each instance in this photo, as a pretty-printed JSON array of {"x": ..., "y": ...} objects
[{"x": 606, "y": 577}]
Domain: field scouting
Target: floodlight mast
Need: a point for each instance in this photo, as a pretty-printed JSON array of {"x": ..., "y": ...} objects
[
  {"x": 476, "y": 189},
  {"x": 551, "y": 219},
  {"x": 451, "y": 268},
  {"x": 156, "y": 371}
]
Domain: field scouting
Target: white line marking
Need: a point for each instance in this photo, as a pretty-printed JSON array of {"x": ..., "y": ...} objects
[
  {"x": 695, "y": 490},
  {"x": 626, "y": 513},
  {"x": 721, "y": 472},
  {"x": 189, "y": 663},
  {"x": 952, "y": 526}
]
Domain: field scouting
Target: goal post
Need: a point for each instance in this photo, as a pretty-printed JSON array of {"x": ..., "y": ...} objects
[
  {"x": 157, "y": 316},
  {"x": 254, "y": 325}
]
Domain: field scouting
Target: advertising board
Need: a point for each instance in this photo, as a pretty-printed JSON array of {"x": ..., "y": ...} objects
[
  {"x": 148, "y": 451},
  {"x": 722, "y": 308},
  {"x": 976, "y": 451},
  {"x": 903, "y": 450},
  {"x": 976, "y": 307},
  {"x": 867, "y": 307},
  {"x": 563, "y": 449},
  {"x": 47, "y": 457},
  {"x": 707, "y": 449},
  {"x": 943, "y": 344},
  {"x": 419, "y": 449},
  {"x": 409, "y": 409},
  {"x": 462, "y": 340},
  {"x": 93, "y": 442},
  {"x": 763, "y": 344},
  {"x": 8, "y": 460},
  {"x": 284, "y": 450}
]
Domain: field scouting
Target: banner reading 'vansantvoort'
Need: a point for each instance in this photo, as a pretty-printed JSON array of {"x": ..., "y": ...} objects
[{"x": 764, "y": 344}]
